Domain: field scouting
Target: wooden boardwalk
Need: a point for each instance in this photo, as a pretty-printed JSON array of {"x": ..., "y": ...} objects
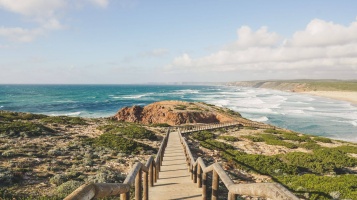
[{"x": 175, "y": 180}]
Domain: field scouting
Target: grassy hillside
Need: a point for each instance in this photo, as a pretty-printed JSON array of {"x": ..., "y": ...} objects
[
  {"x": 46, "y": 157},
  {"x": 312, "y": 167},
  {"x": 302, "y": 85}
]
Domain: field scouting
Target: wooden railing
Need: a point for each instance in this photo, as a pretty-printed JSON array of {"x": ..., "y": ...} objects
[
  {"x": 193, "y": 128},
  {"x": 141, "y": 177},
  {"x": 199, "y": 172}
]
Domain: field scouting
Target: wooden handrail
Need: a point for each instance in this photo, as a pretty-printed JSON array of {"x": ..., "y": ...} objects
[
  {"x": 199, "y": 172},
  {"x": 140, "y": 176}
]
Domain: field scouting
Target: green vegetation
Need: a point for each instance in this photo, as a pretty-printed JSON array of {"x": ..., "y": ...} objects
[
  {"x": 268, "y": 165},
  {"x": 234, "y": 113},
  {"x": 322, "y": 187},
  {"x": 180, "y": 107},
  {"x": 203, "y": 135},
  {"x": 64, "y": 120},
  {"x": 23, "y": 129},
  {"x": 228, "y": 138},
  {"x": 194, "y": 108},
  {"x": 321, "y": 161},
  {"x": 163, "y": 125},
  {"x": 310, "y": 145},
  {"x": 118, "y": 143},
  {"x": 322, "y": 174},
  {"x": 332, "y": 85},
  {"x": 7, "y": 116},
  {"x": 131, "y": 131},
  {"x": 215, "y": 145},
  {"x": 276, "y": 140},
  {"x": 322, "y": 139},
  {"x": 253, "y": 138}
]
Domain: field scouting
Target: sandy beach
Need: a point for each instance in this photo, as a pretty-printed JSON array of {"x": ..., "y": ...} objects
[{"x": 338, "y": 95}]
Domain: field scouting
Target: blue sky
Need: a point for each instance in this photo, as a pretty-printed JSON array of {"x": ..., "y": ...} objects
[{"x": 136, "y": 41}]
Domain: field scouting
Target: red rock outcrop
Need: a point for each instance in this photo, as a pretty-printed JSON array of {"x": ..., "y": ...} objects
[{"x": 171, "y": 112}]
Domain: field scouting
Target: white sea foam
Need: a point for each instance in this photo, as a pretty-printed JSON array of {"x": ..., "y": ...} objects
[
  {"x": 354, "y": 123},
  {"x": 1, "y": 106},
  {"x": 260, "y": 119},
  {"x": 293, "y": 112},
  {"x": 138, "y": 96}
]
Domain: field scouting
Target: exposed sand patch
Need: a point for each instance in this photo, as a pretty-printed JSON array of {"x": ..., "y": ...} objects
[{"x": 338, "y": 95}]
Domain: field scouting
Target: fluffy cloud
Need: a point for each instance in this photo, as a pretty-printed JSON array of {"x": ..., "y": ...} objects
[
  {"x": 322, "y": 47},
  {"x": 46, "y": 14}
]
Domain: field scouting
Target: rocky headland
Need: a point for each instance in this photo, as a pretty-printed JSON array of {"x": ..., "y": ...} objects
[{"x": 176, "y": 113}]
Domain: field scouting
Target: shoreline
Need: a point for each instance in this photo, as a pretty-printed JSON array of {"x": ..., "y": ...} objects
[{"x": 350, "y": 97}]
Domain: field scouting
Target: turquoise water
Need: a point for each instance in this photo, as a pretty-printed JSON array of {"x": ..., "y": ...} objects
[{"x": 303, "y": 113}]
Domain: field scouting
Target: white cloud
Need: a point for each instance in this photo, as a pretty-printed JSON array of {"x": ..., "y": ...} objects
[
  {"x": 322, "y": 33},
  {"x": 46, "y": 14},
  {"x": 248, "y": 38},
  {"x": 322, "y": 46}
]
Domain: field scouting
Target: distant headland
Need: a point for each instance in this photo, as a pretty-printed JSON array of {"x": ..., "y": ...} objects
[{"x": 334, "y": 89}]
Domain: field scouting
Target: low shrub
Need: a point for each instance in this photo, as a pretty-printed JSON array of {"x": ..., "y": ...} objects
[
  {"x": 67, "y": 188},
  {"x": 322, "y": 139},
  {"x": 321, "y": 161},
  {"x": 253, "y": 138},
  {"x": 268, "y": 165},
  {"x": 23, "y": 129},
  {"x": 58, "y": 179},
  {"x": 215, "y": 145},
  {"x": 203, "y": 135},
  {"x": 347, "y": 149},
  {"x": 276, "y": 140},
  {"x": 64, "y": 120},
  {"x": 160, "y": 125},
  {"x": 118, "y": 143},
  {"x": 322, "y": 187},
  {"x": 228, "y": 138},
  {"x": 310, "y": 145},
  {"x": 180, "y": 107},
  {"x": 7, "y": 116}
]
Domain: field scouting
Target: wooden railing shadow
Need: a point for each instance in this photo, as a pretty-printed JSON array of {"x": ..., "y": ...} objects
[
  {"x": 141, "y": 177},
  {"x": 199, "y": 172}
]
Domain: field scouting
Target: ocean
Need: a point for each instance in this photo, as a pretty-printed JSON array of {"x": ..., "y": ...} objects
[{"x": 298, "y": 112}]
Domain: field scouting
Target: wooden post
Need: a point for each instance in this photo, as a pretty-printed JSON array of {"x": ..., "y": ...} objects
[
  {"x": 199, "y": 175},
  {"x": 195, "y": 174},
  {"x": 155, "y": 172},
  {"x": 204, "y": 186},
  {"x": 151, "y": 174},
  {"x": 138, "y": 186},
  {"x": 232, "y": 196},
  {"x": 125, "y": 196},
  {"x": 190, "y": 170},
  {"x": 146, "y": 186},
  {"x": 215, "y": 180}
]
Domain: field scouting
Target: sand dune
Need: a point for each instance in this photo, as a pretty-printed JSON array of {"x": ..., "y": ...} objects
[{"x": 338, "y": 95}]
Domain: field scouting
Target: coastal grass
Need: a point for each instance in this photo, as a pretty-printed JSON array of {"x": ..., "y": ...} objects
[
  {"x": 333, "y": 85},
  {"x": 64, "y": 120},
  {"x": 322, "y": 174},
  {"x": 23, "y": 129},
  {"x": 130, "y": 131},
  {"x": 118, "y": 143}
]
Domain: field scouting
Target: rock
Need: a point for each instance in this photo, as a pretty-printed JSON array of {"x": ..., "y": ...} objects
[{"x": 172, "y": 113}]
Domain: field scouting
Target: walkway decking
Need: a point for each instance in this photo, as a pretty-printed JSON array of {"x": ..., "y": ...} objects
[{"x": 175, "y": 181}]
